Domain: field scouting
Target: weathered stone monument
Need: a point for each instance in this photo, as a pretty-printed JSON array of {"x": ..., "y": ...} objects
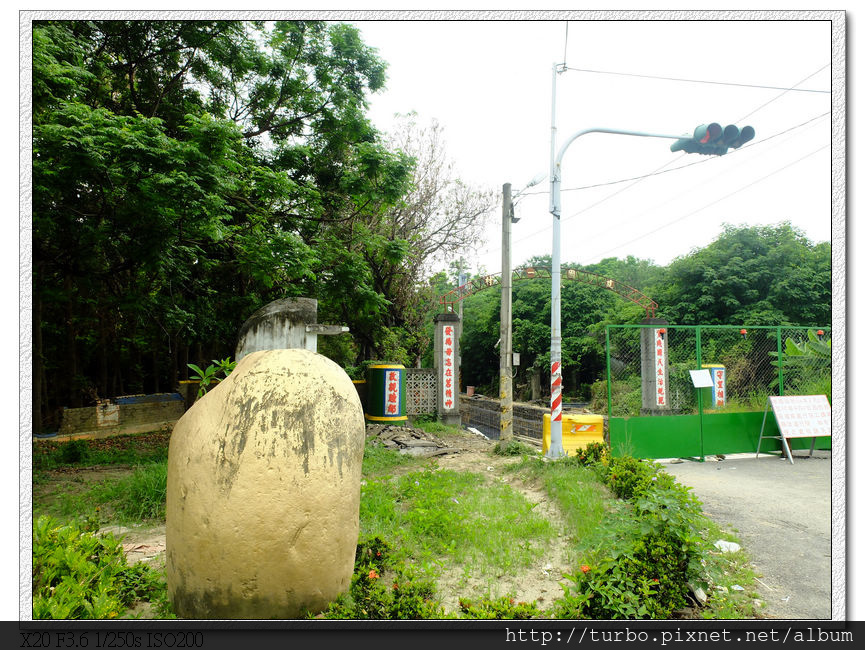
[
  {"x": 285, "y": 323},
  {"x": 264, "y": 490}
]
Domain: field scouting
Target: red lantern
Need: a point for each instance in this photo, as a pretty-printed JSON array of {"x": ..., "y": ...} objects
[{"x": 743, "y": 332}]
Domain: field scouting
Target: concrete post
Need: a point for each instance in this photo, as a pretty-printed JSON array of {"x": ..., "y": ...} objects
[
  {"x": 655, "y": 367},
  {"x": 446, "y": 363}
]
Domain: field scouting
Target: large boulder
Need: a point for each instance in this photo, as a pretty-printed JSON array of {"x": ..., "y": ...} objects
[{"x": 264, "y": 490}]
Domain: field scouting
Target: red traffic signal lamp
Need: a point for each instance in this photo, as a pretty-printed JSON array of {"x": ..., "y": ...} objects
[{"x": 714, "y": 140}]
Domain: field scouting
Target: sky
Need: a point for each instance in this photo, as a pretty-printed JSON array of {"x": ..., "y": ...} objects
[{"x": 490, "y": 85}]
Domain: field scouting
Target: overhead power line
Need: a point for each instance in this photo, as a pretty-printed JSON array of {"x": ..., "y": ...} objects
[
  {"x": 600, "y": 256},
  {"x": 703, "y": 81},
  {"x": 638, "y": 179},
  {"x": 661, "y": 169}
]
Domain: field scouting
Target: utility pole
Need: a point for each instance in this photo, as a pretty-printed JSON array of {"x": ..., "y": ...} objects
[{"x": 506, "y": 417}]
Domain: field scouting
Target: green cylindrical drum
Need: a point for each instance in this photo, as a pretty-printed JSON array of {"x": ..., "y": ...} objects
[{"x": 385, "y": 394}]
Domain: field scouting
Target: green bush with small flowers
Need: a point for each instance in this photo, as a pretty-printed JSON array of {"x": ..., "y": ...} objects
[
  {"x": 504, "y": 608},
  {"x": 649, "y": 553},
  {"x": 382, "y": 587},
  {"x": 629, "y": 478}
]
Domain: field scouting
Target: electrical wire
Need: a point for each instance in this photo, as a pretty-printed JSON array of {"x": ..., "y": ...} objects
[
  {"x": 600, "y": 256},
  {"x": 703, "y": 81},
  {"x": 782, "y": 94},
  {"x": 661, "y": 170}
]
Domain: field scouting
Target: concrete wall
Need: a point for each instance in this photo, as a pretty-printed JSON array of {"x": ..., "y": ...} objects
[{"x": 112, "y": 419}]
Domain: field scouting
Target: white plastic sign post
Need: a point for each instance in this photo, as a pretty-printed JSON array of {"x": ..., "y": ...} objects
[{"x": 798, "y": 416}]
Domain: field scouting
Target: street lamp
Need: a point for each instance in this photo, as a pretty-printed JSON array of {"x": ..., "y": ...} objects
[{"x": 707, "y": 140}]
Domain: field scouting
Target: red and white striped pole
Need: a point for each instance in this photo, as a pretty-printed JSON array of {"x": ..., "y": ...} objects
[{"x": 556, "y": 450}]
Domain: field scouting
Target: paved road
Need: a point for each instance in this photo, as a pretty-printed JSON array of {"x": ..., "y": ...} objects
[{"x": 782, "y": 515}]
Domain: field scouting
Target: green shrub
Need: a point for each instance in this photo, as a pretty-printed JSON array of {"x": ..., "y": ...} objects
[
  {"x": 629, "y": 477},
  {"x": 650, "y": 552},
  {"x": 592, "y": 453},
  {"x": 504, "y": 608},
  {"x": 78, "y": 574},
  {"x": 383, "y": 588},
  {"x": 74, "y": 451}
]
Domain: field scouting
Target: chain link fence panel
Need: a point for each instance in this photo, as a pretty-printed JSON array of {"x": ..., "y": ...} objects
[{"x": 756, "y": 362}]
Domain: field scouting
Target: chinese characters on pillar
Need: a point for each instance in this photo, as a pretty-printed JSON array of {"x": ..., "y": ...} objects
[
  {"x": 660, "y": 368},
  {"x": 719, "y": 386},
  {"x": 449, "y": 378},
  {"x": 391, "y": 393}
]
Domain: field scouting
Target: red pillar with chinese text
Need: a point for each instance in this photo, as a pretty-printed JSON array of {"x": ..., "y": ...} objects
[
  {"x": 655, "y": 366},
  {"x": 447, "y": 360}
]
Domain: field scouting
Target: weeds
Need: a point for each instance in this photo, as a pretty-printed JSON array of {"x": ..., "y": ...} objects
[
  {"x": 78, "y": 574},
  {"x": 132, "y": 498}
]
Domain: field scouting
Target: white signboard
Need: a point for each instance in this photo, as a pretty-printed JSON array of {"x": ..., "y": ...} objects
[
  {"x": 701, "y": 378},
  {"x": 802, "y": 416}
]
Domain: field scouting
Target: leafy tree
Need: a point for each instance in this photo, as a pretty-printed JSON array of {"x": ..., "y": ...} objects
[
  {"x": 762, "y": 275},
  {"x": 184, "y": 174}
]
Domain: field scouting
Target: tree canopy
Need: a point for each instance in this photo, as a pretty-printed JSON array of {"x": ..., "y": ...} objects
[{"x": 185, "y": 173}]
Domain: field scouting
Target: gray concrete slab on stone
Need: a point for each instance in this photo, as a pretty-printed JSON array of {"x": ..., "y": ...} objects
[{"x": 782, "y": 515}]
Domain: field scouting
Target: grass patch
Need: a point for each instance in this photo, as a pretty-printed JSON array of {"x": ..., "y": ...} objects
[
  {"x": 577, "y": 490},
  {"x": 445, "y": 517},
  {"x": 438, "y": 428},
  {"x": 377, "y": 459},
  {"x": 513, "y": 448},
  {"x": 725, "y": 572},
  {"x": 133, "y": 498}
]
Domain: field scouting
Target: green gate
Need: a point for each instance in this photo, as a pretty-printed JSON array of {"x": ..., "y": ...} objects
[{"x": 757, "y": 361}]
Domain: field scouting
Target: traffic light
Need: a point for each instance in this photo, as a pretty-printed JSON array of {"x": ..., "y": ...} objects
[{"x": 713, "y": 140}]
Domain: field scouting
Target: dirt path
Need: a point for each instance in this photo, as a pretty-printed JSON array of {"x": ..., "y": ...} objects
[{"x": 538, "y": 582}]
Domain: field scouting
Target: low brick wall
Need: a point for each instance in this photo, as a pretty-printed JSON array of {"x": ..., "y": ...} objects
[{"x": 131, "y": 414}]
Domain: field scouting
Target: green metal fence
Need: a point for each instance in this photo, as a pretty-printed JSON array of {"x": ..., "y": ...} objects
[{"x": 756, "y": 362}]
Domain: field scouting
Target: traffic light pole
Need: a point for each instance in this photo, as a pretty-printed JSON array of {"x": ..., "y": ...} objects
[{"x": 556, "y": 450}]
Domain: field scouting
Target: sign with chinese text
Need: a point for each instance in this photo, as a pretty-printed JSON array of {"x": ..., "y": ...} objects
[
  {"x": 660, "y": 357},
  {"x": 449, "y": 384},
  {"x": 802, "y": 416},
  {"x": 719, "y": 386},
  {"x": 393, "y": 381}
]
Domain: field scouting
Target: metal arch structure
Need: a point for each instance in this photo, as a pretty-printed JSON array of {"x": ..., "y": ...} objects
[{"x": 627, "y": 292}]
